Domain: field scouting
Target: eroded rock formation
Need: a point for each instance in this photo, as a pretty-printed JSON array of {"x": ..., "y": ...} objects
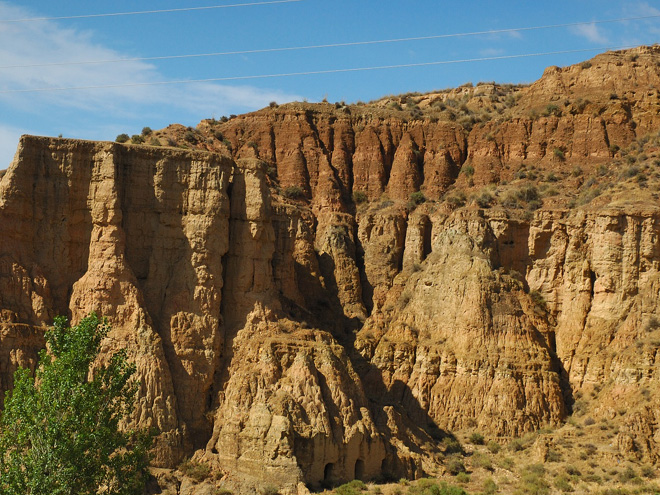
[{"x": 297, "y": 317}]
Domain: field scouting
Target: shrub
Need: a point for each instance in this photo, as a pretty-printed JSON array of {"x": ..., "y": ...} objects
[
  {"x": 467, "y": 170},
  {"x": 563, "y": 484},
  {"x": 146, "y": 131},
  {"x": 198, "y": 471},
  {"x": 648, "y": 472},
  {"x": 490, "y": 487},
  {"x": 559, "y": 154},
  {"x": 269, "y": 489},
  {"x": 273, "y": 104},
  {"x": 627, "y": 475},
  {"x": 516, "y": 445},
  {"x": 457, "y": 200},
  {"x": 483, "y": 461},
  {"x": 154, "y": 141},
  {"x": 553, "y": 456},
  {"x": 451, "y": 445},
  {"x": 122, "y": 138},
  {"x": 455, "y": 465},
  {"x": 190, "y": 136},
  {"x": 417, "y": 198},
  {"x": 359, "y": 197},
  {"x": 484, "y": 199},
  {"x": 585, "y": 65},
  {"x": 494, "y": 447},
  {"x": 463, "y": 478},
  {"x": 351, "y": 488},
  {"x": 631, "y": 172},
  {"x": 476, "y": 439},
  {"x": 294, "y": 192},
  {"x": 552, "y": 110}
]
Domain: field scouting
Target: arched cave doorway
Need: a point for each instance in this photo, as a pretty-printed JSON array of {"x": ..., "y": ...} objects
[
  {"x": 359, "y": 469},
  {"x": 328, "y": 472}
]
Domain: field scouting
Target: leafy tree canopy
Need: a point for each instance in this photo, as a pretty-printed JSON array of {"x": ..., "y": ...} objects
[{"x": 59, "y": 432}]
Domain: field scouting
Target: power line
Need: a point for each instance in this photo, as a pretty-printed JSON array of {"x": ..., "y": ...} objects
[
  {"x": 307, "y": 73},
  {"x": 329, "y": 45},
  {"x": 162, "y": 11}
]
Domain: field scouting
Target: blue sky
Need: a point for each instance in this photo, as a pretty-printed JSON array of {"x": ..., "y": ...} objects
[{"x": 104, "y": 113}]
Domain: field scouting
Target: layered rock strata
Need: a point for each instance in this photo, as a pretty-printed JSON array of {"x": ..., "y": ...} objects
[{"x": 295, "y": 315}]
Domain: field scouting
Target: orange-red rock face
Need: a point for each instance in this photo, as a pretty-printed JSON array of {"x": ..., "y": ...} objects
[{"x": 313, "y": 339}]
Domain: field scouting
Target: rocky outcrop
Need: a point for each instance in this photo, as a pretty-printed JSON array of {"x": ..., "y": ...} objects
[{"x": 298, "y": 313}]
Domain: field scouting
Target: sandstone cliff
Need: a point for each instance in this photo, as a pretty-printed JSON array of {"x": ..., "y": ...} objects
[{"x": 342, "y": 288}]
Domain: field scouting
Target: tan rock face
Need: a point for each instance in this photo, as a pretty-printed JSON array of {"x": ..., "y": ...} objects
[{"x": 321, "y": 339}]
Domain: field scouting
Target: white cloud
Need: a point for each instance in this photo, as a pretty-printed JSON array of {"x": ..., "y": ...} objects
[
  {"x": 641, "y": 8},
  {"x": 591, "y": 32},
  {"x": 44, "y": 42}
]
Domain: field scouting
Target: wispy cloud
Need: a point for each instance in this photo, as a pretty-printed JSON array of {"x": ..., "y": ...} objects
[
  {"x": 491, "y": 52},
  {"x": 591, "y": 32},
  {"x": 43, "y": 42},
  {"x": 8, "y": 142}
]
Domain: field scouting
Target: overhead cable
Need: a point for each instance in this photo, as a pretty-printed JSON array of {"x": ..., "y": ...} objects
[
  {"x": 329, "y": 45},
  {"x": 307, "y": 73},
  {"x": 142, "y": 12}
]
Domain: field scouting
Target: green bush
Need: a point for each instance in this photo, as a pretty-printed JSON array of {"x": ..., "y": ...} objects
[
  {"x": 467, "y": 170},
  {"x": 484, "y": 199},
  {"x": 190, "y": 136},
  {"x": 563, "y": 484},
  {"x": 198, "y": 471},
  {"x": 476, "y": 439},
  {"x": 493, "y": 446},
  {"x": 462, "y": 478},
  {"x": 481, "y": 460},
  {"x": 146, "y": 131},
  {"x": 137, "y": 139},
  {"x": 294, "y": 192},
  {"x": 451, "y": 445},
  {"x": 455, "y": 465},
  {"x": 351, "y": 488},
  {"x": 559, "y": 154},
  {"x": 417, "y": 198},
  {"x": 122, "y": 138},
  {"x": 269, "y": 489},
  {"x": 456, "y": 200},
  {"x": 59, "y": 431},
  {"x": 360, "y": 197}
]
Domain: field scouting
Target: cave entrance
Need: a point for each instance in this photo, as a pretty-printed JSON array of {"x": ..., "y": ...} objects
[
  {"x": 328, "y": 472},
  {"x": 359, "y": 469}
]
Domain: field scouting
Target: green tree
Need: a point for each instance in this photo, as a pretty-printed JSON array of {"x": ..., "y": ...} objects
[{"x": 59, "y": 432}]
